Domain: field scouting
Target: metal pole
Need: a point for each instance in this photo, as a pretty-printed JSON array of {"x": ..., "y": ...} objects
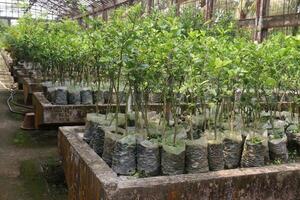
[
  {"x": 209, "y": 9},
  {"x": 261, "y": 12}
]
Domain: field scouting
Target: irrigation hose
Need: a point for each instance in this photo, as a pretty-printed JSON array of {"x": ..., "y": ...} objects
[
  {"x": 17, "y": 104},
  {"x": 10, "y": 101},
  {"x": 20, "y": 105},
  {"x": 10, "y": 98},
  {"x": 9, "y": 106}
]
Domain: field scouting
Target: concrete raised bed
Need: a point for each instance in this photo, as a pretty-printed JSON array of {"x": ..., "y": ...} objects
[
  {"x": 47, "y": 113},
  {"x": 29, "y": 87},
  {"x": 20, "y": 75},
  {"x": 90, "y": 178}
]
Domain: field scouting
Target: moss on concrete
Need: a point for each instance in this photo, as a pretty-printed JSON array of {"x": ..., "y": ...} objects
[
  {"x": 34, "y": 139},
  {"x": 32, "y": 180},
  {"x": 36, "y": 185}
]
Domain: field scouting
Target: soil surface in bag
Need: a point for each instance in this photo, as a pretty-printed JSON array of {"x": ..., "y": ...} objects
[
  {"x": 74, "y": 97},
  {"x": 292, "y": 133},
  {"x": 97, "y": 139},
  {"x": 93, "y": 119},
  {"x": 61, "y": 96},
  {"x": 124, "y": 156},
  {"x": 278, "y": 149},
  {"x": 98, "y": 97},
  {"x": 196, "y": 156},
  {"x": 110, "y": 140},
  {"x": 295, "y": 142},
  {"x": 50, "y": 94},
  {"x": 86, "y": 96},
  {"x": 253, "y": 154},
  {"x": 173, "y": 159},
  {"x": 148, "y": 158},
  {"x": 233, "y": 144},
  {"x": 215, "y": 155}
]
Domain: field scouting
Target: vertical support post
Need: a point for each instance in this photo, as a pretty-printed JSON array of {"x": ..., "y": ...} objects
[
  {"x": 296, "y": 28},
  {"x": 209, "y": 9},
  {"x": 150, "y": 5},
  {"x": 177, "y": 4},
  {"x": 104, "y": 15},
  {"x": 261, "y": 12}
]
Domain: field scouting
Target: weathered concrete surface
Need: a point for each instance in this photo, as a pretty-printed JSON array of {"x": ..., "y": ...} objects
[
  {"x": 48, "y": 114},
  {"x": 5, "y": 79},
  {"x": 89, "y": 178},
  {"x": 29, "y": 87},
  {"x": 20, "y": 75}
]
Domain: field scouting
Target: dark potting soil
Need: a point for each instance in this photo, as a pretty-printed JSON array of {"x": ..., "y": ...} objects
[
  {"x": 148, "y": 158},
  {"x": 173, "y": 159},
  {"x": 98, "y": 97},
  {"x": 93, "y": 120},
  {"x": 97, "y": 139},
  {"x": 294, "y": 142},
  {"x": 61, "y": 96},
  {"x": 278, "y": 149},
  {"x": 50, "y": 94},
  {"x": 232, "y": 151},
  {"x": 195, "y": 132},
  {"x": 253, "y": 154},
  {"x": 196, "y": 156},
  {"x": 124, "y": 156},
  {"x": 74, "y": 97},
  {"x": 86, "y": 95},
  {"x": 110, "y": 140},
  {"x": 215, "y": 155}
]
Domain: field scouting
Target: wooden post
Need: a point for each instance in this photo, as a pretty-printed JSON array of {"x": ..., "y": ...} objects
[
  {"x": 209, "y": 9},
  {"x": 261, "y": 12}
]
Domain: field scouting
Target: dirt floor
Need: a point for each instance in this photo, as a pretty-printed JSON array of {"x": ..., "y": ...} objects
[{"x": 22, "y": 153}]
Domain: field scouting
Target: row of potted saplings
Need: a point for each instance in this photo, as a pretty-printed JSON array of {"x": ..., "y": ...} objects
[
  {"x": 71, "y": 94},
  {"x": 74, "y": 94},
  {"x": 137, "y": 153}
]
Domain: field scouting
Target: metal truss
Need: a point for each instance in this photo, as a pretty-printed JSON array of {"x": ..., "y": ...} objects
[{"x": 54, "y": 8}]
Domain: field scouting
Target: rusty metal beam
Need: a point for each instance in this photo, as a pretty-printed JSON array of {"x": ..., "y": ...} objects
[
  {"x": 104, "y": 8},
  {"x": 287, "y": 20}
]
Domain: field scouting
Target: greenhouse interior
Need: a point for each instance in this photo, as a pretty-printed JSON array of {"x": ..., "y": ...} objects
[{"x": 150, "y": 100}]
